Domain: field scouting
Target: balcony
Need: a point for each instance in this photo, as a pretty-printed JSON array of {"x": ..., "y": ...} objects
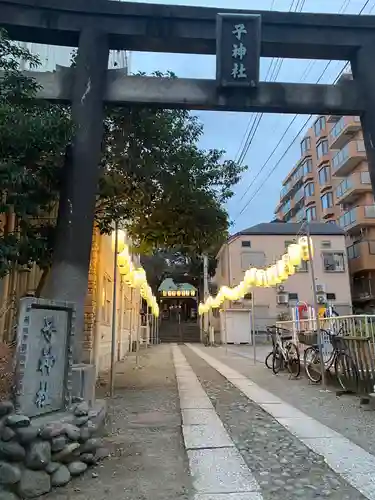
[
  {"x": 333, "y": 118},
  {"x": 343, "y": 131},
  {"x": 328, "y": 212},
  {"x": 352, "y": 187},
  {"x": 361, "y": 256},
  {"x": 357, "y": 217},
  {"x": 348, "y": 158}
]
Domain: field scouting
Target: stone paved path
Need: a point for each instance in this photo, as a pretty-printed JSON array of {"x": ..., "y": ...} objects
[
  {"x": 148, "y": 460},
  {"x": 283, "y": 466},
  {"x": 193, "y": 424}
]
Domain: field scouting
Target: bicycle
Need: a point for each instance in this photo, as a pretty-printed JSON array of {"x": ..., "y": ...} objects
[
  {"x": 285, "y": 353},
  {"x": 340, "y": 359}
]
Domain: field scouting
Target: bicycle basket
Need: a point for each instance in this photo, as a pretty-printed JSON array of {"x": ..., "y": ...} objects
[
  {"x": 308, "y": 338},
  {"x": 338, "y": 342}
]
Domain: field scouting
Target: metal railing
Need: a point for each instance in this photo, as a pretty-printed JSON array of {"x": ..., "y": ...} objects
[{"x": 361, "y": 325}]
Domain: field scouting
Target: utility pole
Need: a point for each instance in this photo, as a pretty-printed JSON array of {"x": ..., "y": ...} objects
[
  {"x": 114, "y": 310},
  {"x": 206, "y": 322},
  {"x": 316, "y": 306}
]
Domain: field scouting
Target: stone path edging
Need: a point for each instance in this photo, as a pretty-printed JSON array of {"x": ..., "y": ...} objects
[
  {"x": 218, "y": 470},
  {"x": 346, "y": 458}
]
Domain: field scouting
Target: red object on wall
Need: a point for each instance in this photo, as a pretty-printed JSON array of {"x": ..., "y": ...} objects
[{"x": 302, "y": 309}]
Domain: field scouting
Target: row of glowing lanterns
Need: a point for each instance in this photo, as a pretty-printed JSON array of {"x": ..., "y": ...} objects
[
  {"x": 271, "y": 276},
  {"x": 179, "y": 293},
  {"x": 133, "y": 276}
]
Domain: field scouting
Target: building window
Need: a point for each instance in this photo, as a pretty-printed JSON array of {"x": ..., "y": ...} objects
[
  {"x": 311, "y": 213},
  {"x": 327, "y": 200},
  {"x": 324, "y": 175},
  {"x": 333, "y": 262},
  {"x": 319, "y": 125},
  {"x": 288, "y": 242},
  {"x": 247, "y": 296},
  {"x": 310, "y": 189},
  {"x": 305, "y": 145},
  {"x": 322, "y": 149},
  {"x": 106, "y": 300},
  {"x": 293, "y": 296},
  {"x": 365, "y": 178},
  {"x": 353, "y": 251},
  {"x": 331, "y": 296},
  {"x": 326, "y": 244},
  {"x": 246, "y": 243},
  {"x": 307, "y": 166},
  {"x": 303, "y": 267}
]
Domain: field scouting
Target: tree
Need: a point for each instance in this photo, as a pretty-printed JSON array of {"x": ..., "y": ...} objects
[
  {"x": 167, "y": 192},
  {"x": 33, "y": 137}
]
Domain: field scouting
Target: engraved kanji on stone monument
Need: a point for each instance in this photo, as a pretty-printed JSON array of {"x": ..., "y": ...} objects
[
  {"x": 44, "y": 356},
  {"x": 238, "y": 50}
]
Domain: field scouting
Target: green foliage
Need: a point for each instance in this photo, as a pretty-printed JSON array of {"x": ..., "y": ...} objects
[
  {"x": 155, "y": 179},
  {"x": 33, "y": 137},
  {"x": 168, "y": 192}
]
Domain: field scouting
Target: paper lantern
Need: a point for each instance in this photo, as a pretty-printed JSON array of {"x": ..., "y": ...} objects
[
  {"x": 121, "y": 240},
  {"x": 295, "y": 253},
  {"x": 260, "y": 278},
  {"x": 304, "y": 242}
]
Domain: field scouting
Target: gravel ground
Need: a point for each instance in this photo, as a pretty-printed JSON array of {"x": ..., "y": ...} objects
[
  {"x": 343, "y": 413},
  {"x": 148, "y": 460},
  {"x": 283, "y": 466}
]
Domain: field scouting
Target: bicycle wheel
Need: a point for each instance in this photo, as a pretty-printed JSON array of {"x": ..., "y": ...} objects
[
  {"x": 312, "y": 364},
  {"x": 268, "y": 360},
  {"x": 277, "y": 360},
  {"x": 293, "y": 360},
  {"x": 346, "y": 372}
]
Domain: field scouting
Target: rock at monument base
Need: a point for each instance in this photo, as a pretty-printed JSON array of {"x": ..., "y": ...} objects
[
  {"x": 26, "y": 434},
  {"x": 58, "y": 443},
  {"x": 90, "y": 446},
  {"x": 77, "y": 468},
  {"x": 38, "y": 455},
  {"x": 79, "y": 421},
  {"x": 6, "y": 407},
  {"x": 12, "y": 451},
  {"x": 16, "y": 420},
  {"x": 7, "y": 495},
  {"x": 9, "y": 473},
  {"x": 7, "y": 434},
  {"x": 88, "y": 458},
  {"x": 82, "y": 409},
  {"x": 72, "y": 431},
  {"x": 65, "y": 452},
  {"x": 102, "y": 453},
  {"x": 52, "y": 430},
  {"x": 52, "y": 467},
  {"x": 33, "y": 483},
  {"x": 61, "y": 477}
]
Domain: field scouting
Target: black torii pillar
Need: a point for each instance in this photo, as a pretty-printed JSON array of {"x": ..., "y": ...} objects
[
  {"x": 364, "y": 75},
  {"x": 68, "y": 278}
]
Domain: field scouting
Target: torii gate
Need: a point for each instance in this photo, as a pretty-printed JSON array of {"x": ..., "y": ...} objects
[{"x": 238, "y": 38}]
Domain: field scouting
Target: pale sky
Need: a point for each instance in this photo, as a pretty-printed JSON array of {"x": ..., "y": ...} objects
[{"x": 225, "y": 130}]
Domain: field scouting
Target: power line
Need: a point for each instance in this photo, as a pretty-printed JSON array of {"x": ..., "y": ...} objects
[
  {"x": 290, "y": 124},
  {"x": 255, "y": 122}
]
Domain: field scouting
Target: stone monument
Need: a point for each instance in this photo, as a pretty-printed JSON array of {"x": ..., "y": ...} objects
[{"x": 43, "y": 361}]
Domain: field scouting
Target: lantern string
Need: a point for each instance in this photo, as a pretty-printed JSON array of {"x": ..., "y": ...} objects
[{"x": 265, "y": 277}]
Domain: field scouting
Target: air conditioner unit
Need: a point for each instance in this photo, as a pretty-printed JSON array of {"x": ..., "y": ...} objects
[
  {"x": 280, "y": 288},
  {"x": 322, "y": 299},
  {"x": 282, "y": 299},
  {"x": 320, "y": 288}
]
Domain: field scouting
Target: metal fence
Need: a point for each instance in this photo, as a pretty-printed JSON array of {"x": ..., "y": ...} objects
[{"x": 361, "y": 326}]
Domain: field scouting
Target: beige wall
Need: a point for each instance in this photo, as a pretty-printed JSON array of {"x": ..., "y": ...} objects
[
  {"x": 127, "y": 309},
  {"x": 271, "y": 248}
]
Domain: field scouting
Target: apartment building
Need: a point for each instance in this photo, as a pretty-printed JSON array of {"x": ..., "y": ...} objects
[
  {"x": 331, "y": 184},
  {"x": 261, "y": 245}
]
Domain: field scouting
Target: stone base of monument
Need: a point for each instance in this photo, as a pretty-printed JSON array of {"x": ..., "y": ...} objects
[
  {"x": 83, "y": 382},
  {"x": 47, "y": 451}
]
